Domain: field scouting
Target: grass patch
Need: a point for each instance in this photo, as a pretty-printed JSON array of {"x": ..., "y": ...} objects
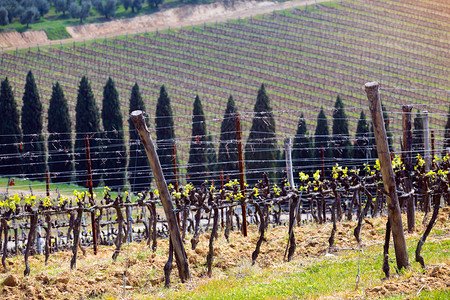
[
  {"x": 57, "y": 33},
  {"x": 335, "y": 275},
  {"x": 22, "y": 186}
]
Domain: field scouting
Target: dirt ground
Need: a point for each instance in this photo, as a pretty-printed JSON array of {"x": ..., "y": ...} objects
[
  {"x": 99, "y": 276},
  {"x": 166, "y": 18}
]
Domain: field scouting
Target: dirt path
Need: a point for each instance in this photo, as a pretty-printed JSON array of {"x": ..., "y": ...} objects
[{"x": 169, "y": 18}]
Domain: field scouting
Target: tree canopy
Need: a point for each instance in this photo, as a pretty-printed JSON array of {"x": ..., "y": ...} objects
[
  {"x": 33, "y": 139},
  {"x": 197, "y": 165},
  {"x": 60, "y": 147},
  {"x": 261, "y": 152},
  {"x": 139, "y": 174},
  {"x": 10, "y": 132},
  {"x": 114, "y": 151}
]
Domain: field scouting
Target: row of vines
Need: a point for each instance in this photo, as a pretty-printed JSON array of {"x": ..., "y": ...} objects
[
  {"x": 305, "y": 57},
  {"x": 31, "y": 224}
]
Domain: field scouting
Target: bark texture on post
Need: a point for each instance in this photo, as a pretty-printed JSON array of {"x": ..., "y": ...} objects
[
  {"x": 175, "y": 236},
  {"x": 407, "y": 160},
  {"x": 288, "y": 154},
  {"x": 241, "y": 173},
  {"x": 426, "y": 140},
  {"x": 388, "y": 175}
]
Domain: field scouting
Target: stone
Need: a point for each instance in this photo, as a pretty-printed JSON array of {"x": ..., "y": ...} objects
[{"x": 11, "y": 280}]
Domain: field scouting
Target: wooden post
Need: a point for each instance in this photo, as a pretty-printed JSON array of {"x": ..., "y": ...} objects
[
  {"x": 388, "y": 175},
  {"x": 175, "y": 236},
  {"x": 288, "y": 155},
  {"x": 407, "y": 160},
  {"x": 91, "y": 192},
  {"x": 47, "y": 182},
  {"x": 322, "y": 155},
  {"x": 426, "y": 140},
  {"x": 241, "y": 173},
  {"x": 221, "y": 199},
  {"x": 432, "y": 148}
]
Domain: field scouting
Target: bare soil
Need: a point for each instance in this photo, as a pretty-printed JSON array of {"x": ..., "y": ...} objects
[
  {"x": 99, "y": 276},
  {"x": 166, "y": 18}
]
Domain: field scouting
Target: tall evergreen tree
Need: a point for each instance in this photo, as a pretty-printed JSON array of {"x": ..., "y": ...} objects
[
  {"x": 360, "y": 148},
  {"x": 228, "y": 153},
  {"x": 261, "y": 151},
  {"x": 322, "y": 141},
  {"x": 418, "y": 136},
  {"x": 139, "y": 173},
  {"x": 114, "y": 150},
  {"x": 342, "y": 150},
  {"x": 302, "y": 151},
  {"x": 33, "y": 139},
  {"x": 10, "y": 133},
  {"x": 60, "y": 158},
  {"x": 447, "y": 135},
  {"x": 165, "y": 134},
  {"x": 87, "y": 123},
  {"x": 197, "y": 165}
]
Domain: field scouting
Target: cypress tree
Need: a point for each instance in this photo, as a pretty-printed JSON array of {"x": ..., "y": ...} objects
[
  {"x": 165, "y": 134},
  {"x": 10, "y": 133},
  {"x": 228, "y": 153},
  {"x": 322, "y": 141},
  {"x": 60, "y": 158},
  {"x": 360, "y": 148},
  {"x": 418, "y": 136},
  {"x": 301, "y": 150},
  {"x": 138, "y": 167},
  {"x": 261, "y": 151},
  {"x": 33, "y": 139},
  {"x": 114, "y": 150},
  {"x": 197, "y": 167},
  {"x": 87, "y": 123},
  {"x": 211, "y": 158},
  {"x": 342, "y": 150}
]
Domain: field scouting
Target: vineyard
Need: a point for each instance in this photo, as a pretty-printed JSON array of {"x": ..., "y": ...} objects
[
  {"x": 109, "y": 244},
  {"x": 33, "y": 225},
  {"x": 305, "y": 57}
]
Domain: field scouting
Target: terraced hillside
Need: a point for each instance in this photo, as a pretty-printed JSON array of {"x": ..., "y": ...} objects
[{"x": 305, "y": 56}]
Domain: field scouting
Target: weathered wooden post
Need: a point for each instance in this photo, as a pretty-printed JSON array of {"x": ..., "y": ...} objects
[
  {"x": 388, "y": 175},
  {"x": 407, "y": 160},
  {"x": 288, "y": 155},
  {"x": 241, "y": 174},
  {"x": 47, "y": 182},
  {"x": 91, "y": 192},
  {"x": 426, "y": 140},
  {"x": 175, "y": 236}
]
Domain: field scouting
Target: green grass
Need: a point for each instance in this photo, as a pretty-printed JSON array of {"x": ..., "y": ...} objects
[
  {"x": 39, "y": 188},
  {"x": 436, "y": 295},
  {"x": 306, "y": 280},
  {"x": 57, "y": 33},
  {"x": 54, "y": 24}
]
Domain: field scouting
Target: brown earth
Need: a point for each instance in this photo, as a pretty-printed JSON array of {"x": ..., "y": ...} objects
[
  {"x": 99, "y": 276},
  {"x": 166, "y": 18},
  {"x": 15, "y": 39}
]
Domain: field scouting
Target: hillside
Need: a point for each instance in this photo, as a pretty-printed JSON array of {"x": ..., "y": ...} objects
[{"x": 306, "y": 56}]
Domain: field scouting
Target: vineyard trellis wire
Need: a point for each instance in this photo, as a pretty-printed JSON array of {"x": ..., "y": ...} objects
[{"x": 317, "y": 200}]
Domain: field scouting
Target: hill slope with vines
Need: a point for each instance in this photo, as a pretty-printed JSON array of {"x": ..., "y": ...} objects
[{"x": 305, "y": 56}]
